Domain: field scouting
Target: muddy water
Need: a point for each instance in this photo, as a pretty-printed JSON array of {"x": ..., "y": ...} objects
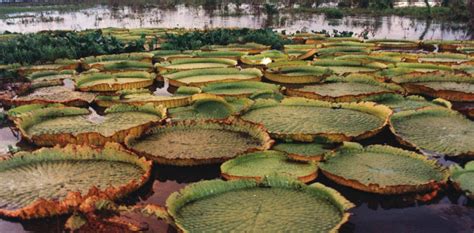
[
  {"x": 450, "y": 211},
  {"x": 198, "y": 17}
]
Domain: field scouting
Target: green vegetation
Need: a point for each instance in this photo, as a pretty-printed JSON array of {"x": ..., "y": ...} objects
[
  {"x": 49, "y": 46},
  {"x": 197, "y": 39}
]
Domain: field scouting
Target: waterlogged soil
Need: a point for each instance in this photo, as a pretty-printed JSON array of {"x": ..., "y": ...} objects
[
  {"x": 182, "y": 16},
  {"x": 446, "y": 211}
]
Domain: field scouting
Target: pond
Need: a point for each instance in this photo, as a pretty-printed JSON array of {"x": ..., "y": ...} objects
[
  {"x": 449, "y": 211},
  {"x": 198, "y": 17}
]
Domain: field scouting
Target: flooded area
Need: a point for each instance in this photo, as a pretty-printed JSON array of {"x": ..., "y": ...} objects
[
  {"x": 199, "y": 17},
  {"x": 445, "y": 210},
  {"x": 449, "y": 211}
]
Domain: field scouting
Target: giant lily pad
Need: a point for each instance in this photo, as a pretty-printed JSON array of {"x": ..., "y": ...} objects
[
  {"x": 114, "y": 81},
  {"x": 195, "y": 63},
  {"x": 251, "y": 48},
  {"x": 200, "y": 77},
  {"x": 53, "y": 181},
  {"x": 240, "y": 89},
  {"x": 54, "y": 94},
  {"x": 435, "y": 129},
  {"x": 43, "y": 78},
  {"x": 187, "y": 143},
  {"x": 264, "y": 57},
  {"x": 124, "y": 61},
  {"x": 345, "y": 89},
  {"x": 446, "y": 85},
  {"x": 305, "y": 119},
  {"x": 420, "y": 67},
  {"x": 343, "y": 50},
  {"x": 297, "y": 74},
  {"x": 395, "y": 44},
  {"x": 257, "y": 165},
  {"x": 64, "y": 125},
  {"x": 401, "y": 103},
  {"x": 445, "y": 58},
  {"x": 251, "y": 206},
  {"x": 58, "y": 65},
  {"x": 300, "y": 51},
  {"x": 204, "y": 106},
  {"x": 168, "y": 55},
  {"x": 304, "y": 151},
  {"x": 373, "y": 57},
  {"x": 463, "y": 178},
  {"x": 220, "y": 54},
  {"x": 345, "y": 67},
  {"x": 140, "y": 97},
  {"x": 383, "y": 169}
]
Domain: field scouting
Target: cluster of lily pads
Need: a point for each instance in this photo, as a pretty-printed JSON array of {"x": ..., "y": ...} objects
[{"x": 274, "y": 119}]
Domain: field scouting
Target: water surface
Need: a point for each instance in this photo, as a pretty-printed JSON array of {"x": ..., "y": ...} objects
[{"x": 198, "y": 17}]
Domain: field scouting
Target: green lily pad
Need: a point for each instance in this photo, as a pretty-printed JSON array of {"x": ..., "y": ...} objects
[
  {"x": 250, "y": 206},
  {"x": 187, "y": 143},
  {"x": 383, "y": 169},
  {"x": 257, "y": 165},
  {"x": 435, "y": 129},
  {"x": 53, "y": 181},
  {"x": 303, "y": 119}
]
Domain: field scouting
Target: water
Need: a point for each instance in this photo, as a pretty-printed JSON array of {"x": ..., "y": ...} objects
[
  {"x": 199, "y": 17},
  {"x": 449, "y": 211}
]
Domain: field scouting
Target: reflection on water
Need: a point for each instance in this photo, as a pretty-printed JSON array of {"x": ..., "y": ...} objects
[{"x": 200, "y": 17}]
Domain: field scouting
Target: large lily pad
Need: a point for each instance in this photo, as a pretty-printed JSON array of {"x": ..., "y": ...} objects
[
  {"x": 63, "y": 125},
  {"x": 463, "y": 178},
  {"x": 195, "y": 63},
  {"x": 373, "y": 57},
  {"x": 251, "y": 48},
  {"x": 220, "y": 54},
  {"x": 445, "y": 58},
  {"x": 54, "y": 94},
  {"x": 412, "y": 102},
  {"x": 187, "y": 143},
  {"x": 240, "y": 89},
  {"x": 297, "y": 74},
  {"x": 300, "y": 51},
  {"x": 50, "y": 77},
  {"x": 204, "y": 106},
  {"x": 140, "y": 97},
  {"x": 58, "y": 65},
  {"x": 446, "y": 85},
  {"x": 304, "y": 151},
  {"x": 200, "y": 77},
  {"x": 345, "y": 89},
  {"x": 124, "y": 61},
  {"x": 343, "y": 50},
  {"x": 383, "y": 169},
  {"x": 53, "y": 181},
  {"x": 257, "y": 165},
  {"x": 435, "y": 129},
  {"x": 395, "y": 44},
  {"x": 347, "y": 67},
  {"x": 114, "y": 81},
  {"x": 421, "y": 67},
  {"x": 250, "y": 206},
  {"x": 305, "y": 119},
  {"x": 168, "y": 55},
  {"x": 264, "y": 58}
]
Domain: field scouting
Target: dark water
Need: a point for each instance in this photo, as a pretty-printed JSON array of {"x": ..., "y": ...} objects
[
  {"x": 249, "y": 16},
  {"x": 449, "y": 211}
]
